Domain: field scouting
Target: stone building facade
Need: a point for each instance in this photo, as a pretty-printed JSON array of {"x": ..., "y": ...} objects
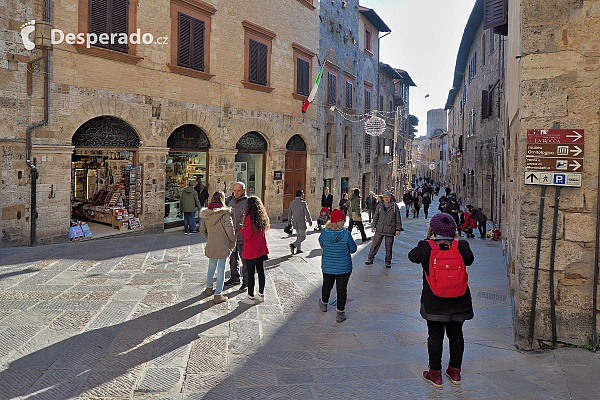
[
  {"x": 402, "y": 163},
  {"x": 475, "y": 117},
  {"x": 436, "y": 120},
  {"x": 349, "y": 45},
  {"x": 149, "y": 92},
  {"x": 553, "y": 79}
]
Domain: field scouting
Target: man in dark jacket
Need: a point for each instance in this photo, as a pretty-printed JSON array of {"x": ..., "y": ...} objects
[
  {"x": 481, "y": 219},
  {"x": 387, "y": 223},
  {"x": 187, "y": 204},
  {"x": 443, "y": 314},
  {"x": 202, "y": 191},
  {"x": 237, "y": 201},
  {"x": 407, "y": 199},
  {"x": 356, "y": 214},
  {"x": 371, "y": 205},
  {"x": 327, "y": 199}
]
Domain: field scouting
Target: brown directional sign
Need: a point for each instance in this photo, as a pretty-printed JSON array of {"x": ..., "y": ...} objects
[
  {"x": 558, "y": 164},
  {"x": 555, "y": 150},
  {"x": 571, "y": 136}
]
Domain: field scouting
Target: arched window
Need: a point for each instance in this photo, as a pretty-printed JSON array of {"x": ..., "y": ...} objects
[
  {"x": 107, "y": 132},
  {"x": 252, "y": 141},
  {"x": 188, "y": 137},
  {"x": 296, "y": 143}
]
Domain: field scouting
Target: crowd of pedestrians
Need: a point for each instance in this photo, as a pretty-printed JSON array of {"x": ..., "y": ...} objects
[{"x": 236, "y": 228}]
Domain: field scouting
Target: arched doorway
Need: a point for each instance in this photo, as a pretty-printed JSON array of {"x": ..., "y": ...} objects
[
  {"x": 106, "y": 178},
  {"x": 295, "y": 170},
  {"x": 187, "y": 161},
  {"x": 250, "y": 163}
]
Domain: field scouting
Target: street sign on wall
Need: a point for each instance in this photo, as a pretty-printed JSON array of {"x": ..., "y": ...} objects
[
  {"x": 554, "y": 157},
  {"x": 567, "y": 136},
  {"x": 552, "y": 179}
]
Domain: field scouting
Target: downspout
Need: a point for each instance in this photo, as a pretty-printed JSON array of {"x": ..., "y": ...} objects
[
  {"x": 596, "y": 267},
  {"x": 29, "y": 138}
]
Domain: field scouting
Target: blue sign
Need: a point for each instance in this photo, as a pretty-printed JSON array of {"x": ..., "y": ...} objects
[{"x": 559, "y": 179}]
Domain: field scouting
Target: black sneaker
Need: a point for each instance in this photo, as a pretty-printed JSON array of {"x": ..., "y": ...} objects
[
  {"x": 368, "y": 262},
  {"x": 366, "y": 240},
  {"x": 388, "y": 266},
  {"x": 299, "y": 251},
  {"x": 232, "y": 282},
  {"x": 243, "y": 287}
]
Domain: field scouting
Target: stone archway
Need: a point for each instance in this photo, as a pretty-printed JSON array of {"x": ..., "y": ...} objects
[
  {"x": 107, "y": 132},
  {"x": 295, "y": 170}
]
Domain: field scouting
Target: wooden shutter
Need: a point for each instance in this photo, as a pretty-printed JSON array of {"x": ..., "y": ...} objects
[
  {"x": 184, "y": 48},
  {"x": 257, "y": 72},
  {"x": 302, "y": 76},
  {"x": 262, "y": 63},
  {"x": 367, "y": 101},
  {"x": 98, "y": 22},
  {"x": 349, "y": 88},
  {"x": 485, "y": 104},
  {"x": 197, "y": 46},
  {"x": 331, "y": 87},
  {"x": 495, "y": 13},
  {"x": 119, "y": 22},
  {"x": 253, "y": 67}
]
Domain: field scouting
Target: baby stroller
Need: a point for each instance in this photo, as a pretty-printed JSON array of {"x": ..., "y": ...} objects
[
  {"x": 323, "y": 218},
  {"x": 469, "y": 224}
]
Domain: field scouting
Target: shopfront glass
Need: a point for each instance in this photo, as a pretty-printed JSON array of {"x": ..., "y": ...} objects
[
  {"x": 182, "y": 167},
  {"x": 249, "y": 169}
]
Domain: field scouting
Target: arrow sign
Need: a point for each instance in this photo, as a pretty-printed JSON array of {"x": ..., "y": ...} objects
[
  {"x": 532, "y": 177},
  {"x": 576, "y": 151},
  {"x": 575, "y": 165},
  {"x": 576, "y": 136}
]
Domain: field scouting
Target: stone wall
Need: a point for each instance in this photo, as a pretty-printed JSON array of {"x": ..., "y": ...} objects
[
  {"x": 436, "y": 119},
  {"x": 559, "y": 79}
]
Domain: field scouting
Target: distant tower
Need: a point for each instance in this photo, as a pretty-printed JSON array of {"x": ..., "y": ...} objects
[{"x": 436, "y": 119}]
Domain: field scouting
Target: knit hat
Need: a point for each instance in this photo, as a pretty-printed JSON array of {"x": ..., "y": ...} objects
[
  {"x": 387, "y": 193},
  {"x": 337, "y": 215},
  {"x": 443, "y": 224}
]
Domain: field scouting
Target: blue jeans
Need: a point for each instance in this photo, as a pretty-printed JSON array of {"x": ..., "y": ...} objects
[
  {"x": 219, "y": 265},
  {"x": 189, "y": 221}
]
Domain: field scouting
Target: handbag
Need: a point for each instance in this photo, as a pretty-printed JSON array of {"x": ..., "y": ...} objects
[{"x": 288, "y": 229}]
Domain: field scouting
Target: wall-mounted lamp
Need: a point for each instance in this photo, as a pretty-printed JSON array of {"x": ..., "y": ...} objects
[{"x": 43, "y": 35}]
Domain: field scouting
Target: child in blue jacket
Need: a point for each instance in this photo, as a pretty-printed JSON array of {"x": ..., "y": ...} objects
[{"x": 336, "y": 262}]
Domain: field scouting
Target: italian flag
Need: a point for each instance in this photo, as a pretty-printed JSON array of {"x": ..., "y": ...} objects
[{"x": 313, "y": 92}]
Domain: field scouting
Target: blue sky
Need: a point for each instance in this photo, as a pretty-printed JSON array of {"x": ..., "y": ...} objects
[{"x": 424, "y": 41}]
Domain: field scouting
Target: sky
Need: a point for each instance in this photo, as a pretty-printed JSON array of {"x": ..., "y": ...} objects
[{"x": 424, "y": 42}]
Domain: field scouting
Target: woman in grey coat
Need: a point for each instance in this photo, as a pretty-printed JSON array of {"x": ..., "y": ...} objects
[{"x": 217, "y": 227}]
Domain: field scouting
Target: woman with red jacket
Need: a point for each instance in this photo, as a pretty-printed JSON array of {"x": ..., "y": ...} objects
[{"x": 256, "y": 250}]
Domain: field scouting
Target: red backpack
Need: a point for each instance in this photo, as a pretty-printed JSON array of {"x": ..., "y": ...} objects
[{"x": 448, "y": 276}]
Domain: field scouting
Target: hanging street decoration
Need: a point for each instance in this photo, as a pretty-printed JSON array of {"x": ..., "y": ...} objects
[{"x": 375, "y": 126}]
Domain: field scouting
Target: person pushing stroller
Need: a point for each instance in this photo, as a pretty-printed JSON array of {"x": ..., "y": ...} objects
[{"x": 322, "y": 219}]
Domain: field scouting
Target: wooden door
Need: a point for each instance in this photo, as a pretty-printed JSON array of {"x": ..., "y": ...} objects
[{"x": 295, "y": 177}]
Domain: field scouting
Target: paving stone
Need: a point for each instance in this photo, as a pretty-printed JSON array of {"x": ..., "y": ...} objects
[
  {"x": 113, "y": 313},
  {"x": 72, "y": 320},
  {"x": 14, "y": 382},
  {"x": 14, "y": 337},
  {"x": 217, "y": 382},
  {"x": 86, "y": 349},
  {"x": 56, "y": 384},
  {"x": 160, "y": 380},
  {"x": 296, "y": 392},
  {"x": 102, "y": 383},
  {"x": 209, "y": 354},
  {"x": 258, "y": 377},
  {"x": 246, "y": 338}
]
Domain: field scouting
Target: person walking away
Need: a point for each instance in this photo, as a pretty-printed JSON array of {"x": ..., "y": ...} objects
[
  {"x": 448, "y": 191},
  {"x": 256, "y": 249},
  {"x": 237, "y": 201},
  {"x": 387, "y": 223},
  {"x": 356, "y": 215},
  {"x": 327, "y": 200},
  {"x": 453, "y": 209},
  {"x": 188, "y": 202},
  {"x": 344, "y": 203},
  {"x": 426, "y": 203},
  {"x": 336, "y": 262},
  {"x": 299, "y": 216},
  {"x": 217, "y": 228},
  {"x": 371, "y": 205},
  {"x": 407, "y": 199},
  {"x": 481, "y": 219},
  {"x": 202, "y": 191},
  {"x": 417, "y": 203},
  {"x": 448, "y": 303},
  {"x": 437, "y": 190}
]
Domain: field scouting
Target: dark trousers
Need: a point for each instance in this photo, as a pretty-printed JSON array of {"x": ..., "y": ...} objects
[
  {"x": 256, "y": 265},
  {"x": 371, "y": 212},
  {"x": 234, "y": 259},
  {"x": 435, "y": 343},
  {"x": 407, "y": 208},
  {"x": 426, "y": 209},
  {"x": 359, "y": 226},
  {"x": 481, "y": 226},
  {"x": 389, "y": 243},
  {"x": 341, "y": 285},
  {"x": 189, "y": 221}
]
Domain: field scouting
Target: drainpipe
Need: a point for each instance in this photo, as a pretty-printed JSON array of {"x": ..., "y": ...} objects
[
  {"x": 29, "y": 137},
  {"x": 596, "y": 268}
]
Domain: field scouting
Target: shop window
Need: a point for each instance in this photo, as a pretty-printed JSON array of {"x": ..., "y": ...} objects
[
  {"x": 249, "y": 162},
  {"x": 258, "y": 44}
]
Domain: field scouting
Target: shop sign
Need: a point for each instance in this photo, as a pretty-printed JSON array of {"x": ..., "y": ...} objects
[{"x": 277, "y": 175}]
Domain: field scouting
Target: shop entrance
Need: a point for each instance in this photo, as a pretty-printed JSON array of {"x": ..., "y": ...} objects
[
  {"x": 250, "y": 163},
  {"x": 295, "y": 170},
  {"x": 106, "y": 179},
  {"x": 187, "y": 161}
]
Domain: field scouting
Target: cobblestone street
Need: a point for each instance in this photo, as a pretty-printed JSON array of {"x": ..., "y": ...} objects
[{"x": 126, "y": 318}]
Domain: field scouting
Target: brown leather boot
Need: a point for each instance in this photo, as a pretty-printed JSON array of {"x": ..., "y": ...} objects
[{"x": 433, "y": 376}]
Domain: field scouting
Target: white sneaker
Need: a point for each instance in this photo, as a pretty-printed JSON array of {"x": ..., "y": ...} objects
[
  {"x": 249, "y": 300},
  {"x": 186, "y": 233},
  {"x": 260, "y": 298}
]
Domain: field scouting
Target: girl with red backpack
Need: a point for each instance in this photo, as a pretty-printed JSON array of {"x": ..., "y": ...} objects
[{"x": 446, "y": 298}]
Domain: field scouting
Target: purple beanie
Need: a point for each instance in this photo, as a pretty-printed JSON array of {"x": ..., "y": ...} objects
[{"x": 443, "y": 224}]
